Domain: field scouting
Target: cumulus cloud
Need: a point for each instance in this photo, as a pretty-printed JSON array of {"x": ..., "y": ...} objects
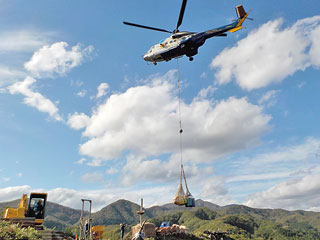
[
  {"x": 12, "y": 193},
  {"x": 78, "y": 120},
  {"x": 101, "y": 197},
  {"x": 144, "y": 120},
  {"x": 157, "y": 171},
  {"x": 300, "y": 193},
  {"x": 270, "y": 54},
  {"x": 35, "y": 99},
  {"x": 56, "y": 59},
  {"x": 102, "y": 90}
]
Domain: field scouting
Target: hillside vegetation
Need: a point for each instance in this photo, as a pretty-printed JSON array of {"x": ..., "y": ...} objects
[
  {"x": 240, "y": 225},
  {"x": 242, "y": 222},
  {"x": 12, "y": 231}
]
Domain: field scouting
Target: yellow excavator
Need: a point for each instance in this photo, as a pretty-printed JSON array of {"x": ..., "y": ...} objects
[{"x": 29, "y": 213}]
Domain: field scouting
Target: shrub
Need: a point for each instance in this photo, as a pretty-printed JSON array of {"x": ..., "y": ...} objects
[{"x": 14, "y": 232}]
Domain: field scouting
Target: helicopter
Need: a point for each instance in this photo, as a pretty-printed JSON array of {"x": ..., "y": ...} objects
[{"x": 187, "y": 43}]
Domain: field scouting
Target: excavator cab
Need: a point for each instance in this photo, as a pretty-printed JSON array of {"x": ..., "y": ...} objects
[
  {"x": 36, "y": 206},
  {"x": 28, "y": 213}
]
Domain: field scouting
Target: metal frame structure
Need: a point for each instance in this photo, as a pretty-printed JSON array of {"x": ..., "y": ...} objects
[{"x": 85, "y": 232}]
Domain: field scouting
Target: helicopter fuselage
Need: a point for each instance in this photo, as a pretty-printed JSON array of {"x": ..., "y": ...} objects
[{"x": 185, "y": 43}]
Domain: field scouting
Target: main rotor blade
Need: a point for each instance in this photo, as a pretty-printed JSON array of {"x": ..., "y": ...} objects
[
  {"x": 150, "y": 28},
  {"x": 183, "y": 7}
]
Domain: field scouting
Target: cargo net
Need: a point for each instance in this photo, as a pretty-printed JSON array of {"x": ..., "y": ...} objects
[{"x": 182, "y": 198}]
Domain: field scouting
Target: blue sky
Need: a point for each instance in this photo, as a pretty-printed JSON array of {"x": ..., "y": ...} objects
[{"x": 82, "y": 114}]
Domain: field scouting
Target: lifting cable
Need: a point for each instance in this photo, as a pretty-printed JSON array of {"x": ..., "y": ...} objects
[
  {"x": 181, "y": 130},
  {"x": 181, "y": 197},
  {"x": 180, "y": 122}
]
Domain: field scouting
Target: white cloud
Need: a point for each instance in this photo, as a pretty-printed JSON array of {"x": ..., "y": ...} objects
[
  {"x": 206, "y": 92},
  {"x": 112, "y": 171},
  {"x": 81, "y": 161},
  {"x": 76, "y": 83},
  {"x": 144, "y": 120},
  {"x": 270, "y": 54},
  {"x": 278, "y": 163},
  {"x": 9, "y": 75},
  {"x": 156, "y": 171},
  {"x": 214, "y": 186},
  {"x": 82, "y": 93},
  {"x": 203, "y": 75},
  {"x": 252, "y": 174},
  {"x": 102, "y": 90},
  {"x": 300, "y": 193},
  {"x": 35, "y": 99},
  {"x": 78, "y": 120},
  {"x": 315, "y": 47},
  {"x": 94, "y": 177},
  {"x": 22, "y": 40},
  {"x": 12, "y": 193},
  {"x": 269, "y": 98},
  {"x": 56, "y": 59},
  {"x": 296, "y": 153},
  {"x": 95, "y": 163},
  {"x": 261, "y": 176},
  {"x": 100, "y": 198}
]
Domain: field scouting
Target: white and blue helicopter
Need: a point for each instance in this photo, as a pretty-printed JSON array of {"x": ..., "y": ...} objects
[{"x": 187, "y": 43}]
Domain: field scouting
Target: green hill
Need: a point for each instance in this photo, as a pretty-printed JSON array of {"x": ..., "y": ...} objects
[
  {"x": 121, "y": 211},
  {"x": 241, "y": 221}
]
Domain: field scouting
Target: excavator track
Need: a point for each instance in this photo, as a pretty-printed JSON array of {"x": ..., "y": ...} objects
[{"x": 23, "y": 222}]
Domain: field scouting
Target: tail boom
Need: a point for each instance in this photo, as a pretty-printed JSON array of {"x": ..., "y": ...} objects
[{"x": 242, "y": 15}]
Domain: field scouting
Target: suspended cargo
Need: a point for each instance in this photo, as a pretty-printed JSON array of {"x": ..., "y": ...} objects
[{"x": 181, "y": 198}]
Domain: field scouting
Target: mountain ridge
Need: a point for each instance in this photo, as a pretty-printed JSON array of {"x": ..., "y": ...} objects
[{"x": 124, "y": 211}]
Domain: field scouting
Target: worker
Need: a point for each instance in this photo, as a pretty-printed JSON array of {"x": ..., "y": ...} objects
[
  {"x": 37, "y": 208},
  {"x": 122, "y": 226},
  {"x": 87, "y": 228}
]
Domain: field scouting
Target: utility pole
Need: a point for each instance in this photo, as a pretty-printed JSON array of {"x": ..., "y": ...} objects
[{"x": 141, "y": 212}]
